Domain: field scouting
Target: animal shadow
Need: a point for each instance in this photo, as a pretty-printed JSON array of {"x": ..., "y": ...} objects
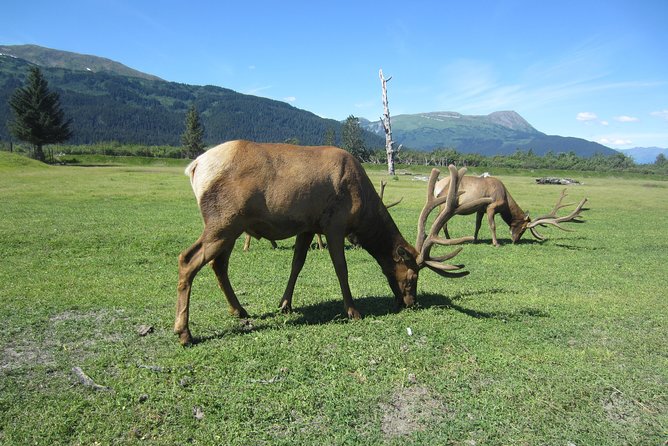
[{"x": 331, "y": 311}]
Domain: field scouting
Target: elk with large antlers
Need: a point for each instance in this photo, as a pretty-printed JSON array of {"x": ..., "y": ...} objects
[
  {"x": 276, "y": 191},
  {"x": 501, "y": 202}
]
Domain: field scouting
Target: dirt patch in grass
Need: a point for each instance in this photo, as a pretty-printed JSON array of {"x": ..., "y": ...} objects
[
  {"x": 24, "y": 353},
  {"x": 412, "y": 409},
  {"x": 73, "y": 333},
  {"x": 619, "y": 408}
]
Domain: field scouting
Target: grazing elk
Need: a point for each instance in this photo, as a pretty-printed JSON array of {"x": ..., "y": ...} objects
[
  {"x": 277, "y": 191},
  {"x": 475, "y": 188}
]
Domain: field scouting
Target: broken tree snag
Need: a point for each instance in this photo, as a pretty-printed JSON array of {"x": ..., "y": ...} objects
[{"x": 385, "y": 119}]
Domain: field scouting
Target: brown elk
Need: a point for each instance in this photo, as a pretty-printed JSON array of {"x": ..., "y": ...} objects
[
  {"x": 275, "y": 191},
  {"x": 474, "y": 188},
  {"x": 321, "y": 245}
]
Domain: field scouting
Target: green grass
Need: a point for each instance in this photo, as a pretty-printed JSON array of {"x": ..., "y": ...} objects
[{"x": 543, "y": 343}]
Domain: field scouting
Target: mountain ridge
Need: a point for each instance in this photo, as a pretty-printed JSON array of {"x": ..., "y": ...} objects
[
  {"x": 52, "y": 58},
  {"x": 107, "y": 106},
  {"x": 500, "y": 132},
  {"x": 109, "y": 101}
]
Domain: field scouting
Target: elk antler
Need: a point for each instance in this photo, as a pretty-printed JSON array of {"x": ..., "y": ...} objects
[
  {"x": 552, "y": 219},
  {"x": 382, "y": 191},
  {"x": 425, "y": 242}
]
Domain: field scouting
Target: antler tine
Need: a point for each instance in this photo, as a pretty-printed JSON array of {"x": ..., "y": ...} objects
[
  {"x": 382, "y": 191},
  {"x": 553, "y": 212},
  {"x": 552, "y": 219}
]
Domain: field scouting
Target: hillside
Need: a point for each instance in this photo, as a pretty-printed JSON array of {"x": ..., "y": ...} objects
[
  {"x": 500, "y": 132},
  {"x": 111, "y": 105},
  {"x": 46, "y": 57}
]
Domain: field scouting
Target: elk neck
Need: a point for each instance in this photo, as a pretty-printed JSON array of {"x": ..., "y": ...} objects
[
  {"x": 380, "y": 237},
  {"x": 512, "y": 212}
]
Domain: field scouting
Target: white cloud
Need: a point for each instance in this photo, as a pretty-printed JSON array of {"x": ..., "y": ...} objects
[
  {"x": 605, "y": 123},
  {"x": 586, "y": 116},
  {"x": 661, "y": 114},
  {"x": 290, "y": 99},
  {"x": 612, "y": 141},
  {"x": 624, "y": 118}
]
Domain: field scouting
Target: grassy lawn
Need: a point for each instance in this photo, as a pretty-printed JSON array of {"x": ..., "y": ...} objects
[{"x": 556, "y": 343}]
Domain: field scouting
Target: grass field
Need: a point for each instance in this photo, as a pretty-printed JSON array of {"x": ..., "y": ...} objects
[{"x": 556, "y": 343}]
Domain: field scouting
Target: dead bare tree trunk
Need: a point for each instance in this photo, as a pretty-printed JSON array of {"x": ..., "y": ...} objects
[{"x": 389, "y": 144}]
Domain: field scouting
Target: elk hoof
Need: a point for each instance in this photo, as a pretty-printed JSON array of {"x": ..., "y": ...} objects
[
  {"x": 354, "y": 314},
  {"x": 286, "y": 307},
  {"x": 185, "y": 339},
  {"x": 240, "y": 312}
]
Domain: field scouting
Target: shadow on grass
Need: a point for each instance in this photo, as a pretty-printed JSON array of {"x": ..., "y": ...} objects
[{"x": 331, "y": 311}]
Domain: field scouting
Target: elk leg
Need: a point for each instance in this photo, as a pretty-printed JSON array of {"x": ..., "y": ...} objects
[
  {"x": 302, "y": 245},
  {"x": 478, "y": 223},
  {"x": 220, "y": 266},
  {"x": 247, "y": 241},
  {"x": 492, "y": 224},
  {"x": 190, "y": 262},
  {"x": 335, "y": 245}
]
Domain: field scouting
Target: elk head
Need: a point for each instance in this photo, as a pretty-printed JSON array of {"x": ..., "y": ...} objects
[
  {"x": 409, "y": 261},
  {"x": 548, "y": 219}
]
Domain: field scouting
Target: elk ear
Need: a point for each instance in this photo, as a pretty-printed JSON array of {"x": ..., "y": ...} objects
[{"x": 402, "y": 254}]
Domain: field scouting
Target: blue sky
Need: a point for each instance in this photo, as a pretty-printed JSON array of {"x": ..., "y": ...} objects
[{"x": 591, "y": 69}]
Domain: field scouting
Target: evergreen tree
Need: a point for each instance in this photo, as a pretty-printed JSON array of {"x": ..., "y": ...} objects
[
  {"x": 660, "y": 159},
  {"x": 330, "y": 137},
  {"x": 351, "y": 138},
  {"x": 192, "y": 138},
  {"x": 38, "y": 117}
]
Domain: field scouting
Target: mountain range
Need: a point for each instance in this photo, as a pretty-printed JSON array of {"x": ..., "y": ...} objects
[
  {"x": 502, "y": 132},
  {"x": 109, "y": 101}
]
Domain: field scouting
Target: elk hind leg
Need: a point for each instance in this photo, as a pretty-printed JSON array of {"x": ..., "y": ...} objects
[
  {"x": 302, "y": 245},
  {"x": 190, "y": 262},
  {"x": 220, "y": 267},
  {"x": 478, "y": 222}
]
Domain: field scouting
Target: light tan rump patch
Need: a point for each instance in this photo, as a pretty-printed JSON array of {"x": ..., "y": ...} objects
[{"x": 207, "y": 167}]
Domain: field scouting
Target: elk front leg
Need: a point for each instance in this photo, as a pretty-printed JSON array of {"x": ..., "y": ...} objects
[
  {"x": 190, "y": 262},
  {"x": 335, "y": 245},
  {"x": 302, "y": 245},
  {"x": 220, "y": 266},
  {"x": 492, "y": 225}
]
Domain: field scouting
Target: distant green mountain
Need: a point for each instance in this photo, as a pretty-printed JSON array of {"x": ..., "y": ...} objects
[
  {"x": 502, "y": 132},
  {"x": 46, "y": 57},
  {"x": 110, "y": 102}
]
